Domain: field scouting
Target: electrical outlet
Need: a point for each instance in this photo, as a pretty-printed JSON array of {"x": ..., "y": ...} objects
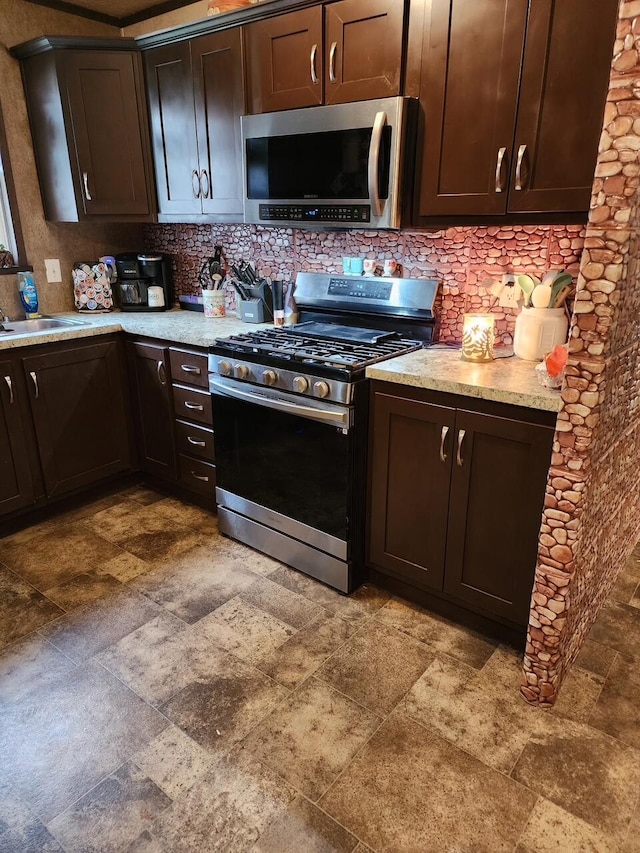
[
  {"x": 52, "y": 268},
  {"x": 510, "y": 293}
]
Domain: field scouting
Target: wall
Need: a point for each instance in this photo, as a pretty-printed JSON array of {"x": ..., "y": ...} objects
[
  {"x": 460, "y": 258},
  {"x": 592, "y": 516},
  {"x": 69, "y": 242}
]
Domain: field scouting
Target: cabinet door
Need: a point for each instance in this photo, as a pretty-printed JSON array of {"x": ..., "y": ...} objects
[
  {"x": 173, "y": 128},
  {"x": 565, "y": 77},
  {"x": 107, "y": 116},
  {"x": 78, "y": 408},
  {"x": 411, "y": 469},
  {"x": 285, "y": 61},
  {"x": 219, "y": 97},
  {"x": 363, "y": 50},
  {"x": 471, "y": 61},
  {"x": 495, "y": 510},
  {"x": 152, "y": 404},
  {"x": 16, "y": 488}
]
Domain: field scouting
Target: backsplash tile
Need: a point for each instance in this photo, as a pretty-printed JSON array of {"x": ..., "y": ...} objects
[{"x": 461, "y": 258}]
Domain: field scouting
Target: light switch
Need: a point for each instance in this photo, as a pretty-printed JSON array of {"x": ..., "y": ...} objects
[{"x": 52, "y": 268}]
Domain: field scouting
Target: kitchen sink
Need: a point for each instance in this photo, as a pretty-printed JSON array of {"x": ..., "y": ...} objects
[{"x": 10, "y": 329}]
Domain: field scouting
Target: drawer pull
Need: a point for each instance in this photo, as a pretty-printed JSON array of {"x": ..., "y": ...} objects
[
  {"x": 332, "y": 61},
  {"x": 196, "y": 407},
  {"x": 459, "y": 459},
  {"x": 314, "y": 73},
  {"x": 443, "y": 438},
  {"x": 189, "y": 368},
  {"x": 34, "y": 379},
  {"x": 7, "y": 379},
  {"x": 159, "y": 371},
  {"x": 195, "y": 184},
  {"x": 85, "y": 183},
  {"x": 501, "y": 155},
  {"x": 195, "y": 442},
  {"x": 521, "y": 152},
  {"x": 200, "y": 477}
]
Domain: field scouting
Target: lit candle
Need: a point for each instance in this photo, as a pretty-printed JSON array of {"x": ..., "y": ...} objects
[{"x": 478, "y": 335}]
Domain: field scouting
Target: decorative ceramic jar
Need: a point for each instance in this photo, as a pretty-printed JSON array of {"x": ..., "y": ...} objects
[{"x": 538, "y": 331}]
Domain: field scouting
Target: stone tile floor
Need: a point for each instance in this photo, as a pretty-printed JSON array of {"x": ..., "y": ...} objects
[{"x": 165, "y": 689}]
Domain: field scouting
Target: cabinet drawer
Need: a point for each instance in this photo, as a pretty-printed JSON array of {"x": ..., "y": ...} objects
[
  {"x": 192, "y": 405},
  {"x": 195, "y": 441},
  {"x": 189, "y": 367},
  {"x": 197, "y": 475}
]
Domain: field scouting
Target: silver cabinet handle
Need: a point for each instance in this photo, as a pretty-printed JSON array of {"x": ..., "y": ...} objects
[
  {"x": 189, "y": 368},
  {"x": 34, "y": 379},
  {"x": 204, "y": 177},
  {"x": 443, "y": 438},
  {"x": 332, "y": 61},
  {"x": 500, "y": 161},
  {"x": 195, "y": 184},
  {"x": 200, "y": 477},
  {"x": 459, "y": 459},
  {"x": 521, "y": 152},
  {"x": 374, "y": 160},
  {"x": 160, "y": 371},
  {"x": 195, "y": 442},
  {"x": 85, "y": 182},
  {"x": 7, "y": 379},
  {"x": 196, "y": 407},
  {"x": 314, "y": 73}
]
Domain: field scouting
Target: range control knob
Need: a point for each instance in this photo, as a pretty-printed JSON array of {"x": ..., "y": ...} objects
[
  {"x": 241, "y": 371},
  {"x": 300, "y": 384},
  {"x": 321, "y": 389},
  {"x": 225, "y": 368},
  {"x": 269, "y": 377}
]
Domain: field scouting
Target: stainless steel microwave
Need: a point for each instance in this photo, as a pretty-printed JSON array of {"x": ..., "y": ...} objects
[{"x": 339, "y": 165}]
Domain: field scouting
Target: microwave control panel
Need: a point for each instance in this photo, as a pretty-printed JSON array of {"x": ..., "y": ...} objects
[{"x": 316, "y": 212}]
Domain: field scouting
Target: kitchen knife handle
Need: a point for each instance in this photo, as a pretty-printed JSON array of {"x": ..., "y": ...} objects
[
  {"x": 206, "y": 186},
  {"x": 195, "y": 184},
  {"x": 501, "y": 155},
  {"x": 459, "y": 459},
  {"x": 7, "y": 379},
  {"x": 34, "y": 379},
  {"x": 443, "y": 438},
  {"x": 521, "y": 152},
  {"x": 199, "y": 477},
  {"x": 85, "y": 183},
  {"x": 332, "y": 61},
  {"x": 312, "y": 59},
  {"x": 159, "y": 371},
  {"x": 196, "y": 407},
  {"x": 195, "y": 442},
  {"x": 189, "y": 368}
]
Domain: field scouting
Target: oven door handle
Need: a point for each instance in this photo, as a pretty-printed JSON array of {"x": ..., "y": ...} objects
[
  {"x": 339, "y": 417},
  {"x": 377, "y": 206}
]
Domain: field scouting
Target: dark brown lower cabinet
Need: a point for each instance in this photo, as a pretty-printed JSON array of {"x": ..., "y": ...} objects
[
  {"x": 151, "y": 392},
  {"x": 456, "y": 499},
  {"x": 16, "y": 484},
  {"x": 77, "y": 399}
]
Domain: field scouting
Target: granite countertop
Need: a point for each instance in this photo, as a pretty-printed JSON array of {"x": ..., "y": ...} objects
[
  {"x": 439, "y": 368},
  {"x": 505, "y": 380}
]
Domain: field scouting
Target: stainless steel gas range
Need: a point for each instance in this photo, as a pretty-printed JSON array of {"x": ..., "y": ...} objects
[{"x": 291, "y": 417}]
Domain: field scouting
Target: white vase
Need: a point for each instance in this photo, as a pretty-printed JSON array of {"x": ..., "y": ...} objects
[{"x": 538, "y": 331}]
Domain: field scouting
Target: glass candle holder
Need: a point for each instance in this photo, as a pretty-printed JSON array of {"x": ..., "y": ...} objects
[{"x": 478, "y": 337}]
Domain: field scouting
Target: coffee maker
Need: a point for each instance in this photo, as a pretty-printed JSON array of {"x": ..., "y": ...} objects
[{"x": 144, "y": 282}]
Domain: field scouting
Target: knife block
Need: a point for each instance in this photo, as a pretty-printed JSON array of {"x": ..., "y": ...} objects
[{"x": 251, "y": 310}]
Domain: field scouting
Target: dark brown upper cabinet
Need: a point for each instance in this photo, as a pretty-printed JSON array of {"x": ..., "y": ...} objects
[
  {"x": 88, "y": 120},
  {"x": 196, "y": 97},
  {"x": 291, "y": 65},
  {"x": 16, "y": 486},
  {"x": 512, "y": 95}
]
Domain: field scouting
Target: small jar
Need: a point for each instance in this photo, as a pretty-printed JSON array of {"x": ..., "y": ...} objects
[{"x": 538, "y": 331}]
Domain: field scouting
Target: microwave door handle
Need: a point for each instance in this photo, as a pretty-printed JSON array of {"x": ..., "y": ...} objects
[
  {"x": 338, "y": 417},
  {"x": 377, "y": 206}
]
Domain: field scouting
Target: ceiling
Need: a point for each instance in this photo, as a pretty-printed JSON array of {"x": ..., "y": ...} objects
[{"x": 122, "y": 13}]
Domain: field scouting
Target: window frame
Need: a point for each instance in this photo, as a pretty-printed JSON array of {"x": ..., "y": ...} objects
[{"x": 21, "y": 259}]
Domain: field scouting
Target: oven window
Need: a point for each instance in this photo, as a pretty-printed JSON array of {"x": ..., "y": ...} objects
[
  {"x": 297, "y": 467},
  {"x": 328, "y": 165}
]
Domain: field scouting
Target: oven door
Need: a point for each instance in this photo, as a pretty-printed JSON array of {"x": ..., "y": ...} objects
[{"x": 284, "y": 462}]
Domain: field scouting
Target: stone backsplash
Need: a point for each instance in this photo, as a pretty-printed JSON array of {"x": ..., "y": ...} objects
[{"x": 460, "y": 258}]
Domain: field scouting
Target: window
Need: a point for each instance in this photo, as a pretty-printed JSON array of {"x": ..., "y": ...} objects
[{"x": 10, "y": 233}]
